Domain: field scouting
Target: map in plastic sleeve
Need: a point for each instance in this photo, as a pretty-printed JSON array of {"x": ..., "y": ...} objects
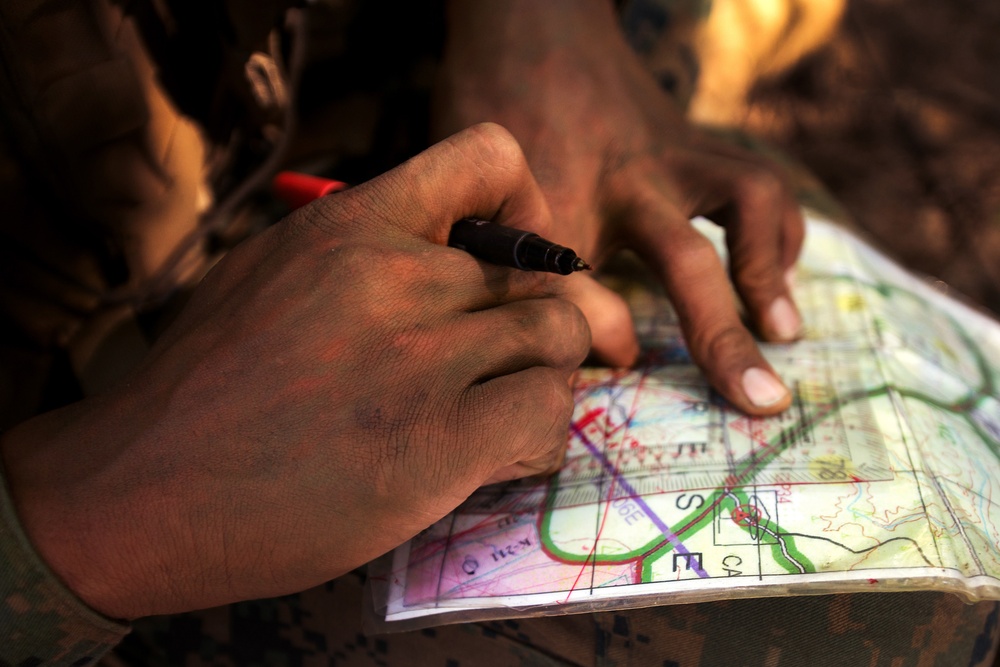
[{"x": 883, "y": 475}]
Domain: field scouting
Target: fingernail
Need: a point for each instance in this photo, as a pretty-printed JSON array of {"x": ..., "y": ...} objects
[
  {"x": 762, "y": 388},
  {"x": 783, "y": 319}
]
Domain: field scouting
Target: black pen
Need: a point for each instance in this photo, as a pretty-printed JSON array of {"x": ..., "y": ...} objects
[
  {"x": 506, "y": 246},
  {"x": 484, "y": 239}
]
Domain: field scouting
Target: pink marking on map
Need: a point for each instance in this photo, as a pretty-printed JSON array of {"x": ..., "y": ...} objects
[{"x": 511, "y": 562}]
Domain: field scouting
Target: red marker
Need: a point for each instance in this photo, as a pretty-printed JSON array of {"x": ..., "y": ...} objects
[{"x": 297, "y": 189}]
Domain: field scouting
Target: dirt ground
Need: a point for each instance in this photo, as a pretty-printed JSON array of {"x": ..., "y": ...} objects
[{"x": 899, "y": 116}]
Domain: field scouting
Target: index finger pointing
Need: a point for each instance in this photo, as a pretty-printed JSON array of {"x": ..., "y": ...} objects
[{"x": 697, "y": 285}]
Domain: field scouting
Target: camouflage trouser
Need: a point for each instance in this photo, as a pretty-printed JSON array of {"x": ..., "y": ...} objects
[{"x": 322, "y": 627}]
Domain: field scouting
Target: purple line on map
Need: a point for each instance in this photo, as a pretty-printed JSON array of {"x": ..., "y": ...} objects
[{"x": 671, "y": 536}]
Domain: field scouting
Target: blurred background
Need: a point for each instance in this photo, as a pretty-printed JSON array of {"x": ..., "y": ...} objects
[{"x": 894, "y": 105}]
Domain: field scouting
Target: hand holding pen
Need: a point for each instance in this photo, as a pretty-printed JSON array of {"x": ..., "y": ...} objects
[
  {"x": 334, "y": 385},
  {"x": 484, "y": 239},
  {"x": 613, "y": 339}
]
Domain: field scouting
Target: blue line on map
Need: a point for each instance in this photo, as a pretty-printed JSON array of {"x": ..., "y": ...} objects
[{"x": 622, "y": 482}]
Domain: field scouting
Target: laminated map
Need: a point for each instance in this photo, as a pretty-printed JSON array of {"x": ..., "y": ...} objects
[{"x": 883, "y": 475}]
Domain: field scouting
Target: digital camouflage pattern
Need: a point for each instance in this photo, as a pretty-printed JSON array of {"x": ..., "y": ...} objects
[
  {"x": 41, "y": 622},
  {"x": 322, "y": 626}
]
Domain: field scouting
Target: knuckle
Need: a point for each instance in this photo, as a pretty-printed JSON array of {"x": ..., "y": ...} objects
[
  {"x": 534, "y": 283},
  {"x": 386, "y": 265},
  {"x": 575, "y": 338},
  {"x": 757, "y": 276},
  {"x": 377, "y": 280},
  {"x": 493, "y": 145},
  {"x": 553, "y": 398},
  {"x": 560, "y": 315},
  {"x": 331, "y": 216},
  {"x": 716, "y": 345},
  {"x": 494, "y": 136},
  {"x": 401, "y": 264},
  {"x": 354, "y": 265},
  {"x": 558, "y": 329},
  {"x": 760, "y": 186},
  {"x": 460, "y": 268},
  {"x": 416, "y": 344},
  {"x": 694, "y": 254},
  {"x": 535, "y": 410},
  {"x": 539, "y": 394}
]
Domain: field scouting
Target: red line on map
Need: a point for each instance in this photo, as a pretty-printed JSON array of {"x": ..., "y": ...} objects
[{"x": 589, "y": 417}]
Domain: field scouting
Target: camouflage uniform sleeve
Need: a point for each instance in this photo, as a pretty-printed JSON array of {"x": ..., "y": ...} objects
[{"x": 41, "y": 621}]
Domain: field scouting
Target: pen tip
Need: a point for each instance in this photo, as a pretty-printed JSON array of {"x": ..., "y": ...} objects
[{"x": 580, "y": 265}]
